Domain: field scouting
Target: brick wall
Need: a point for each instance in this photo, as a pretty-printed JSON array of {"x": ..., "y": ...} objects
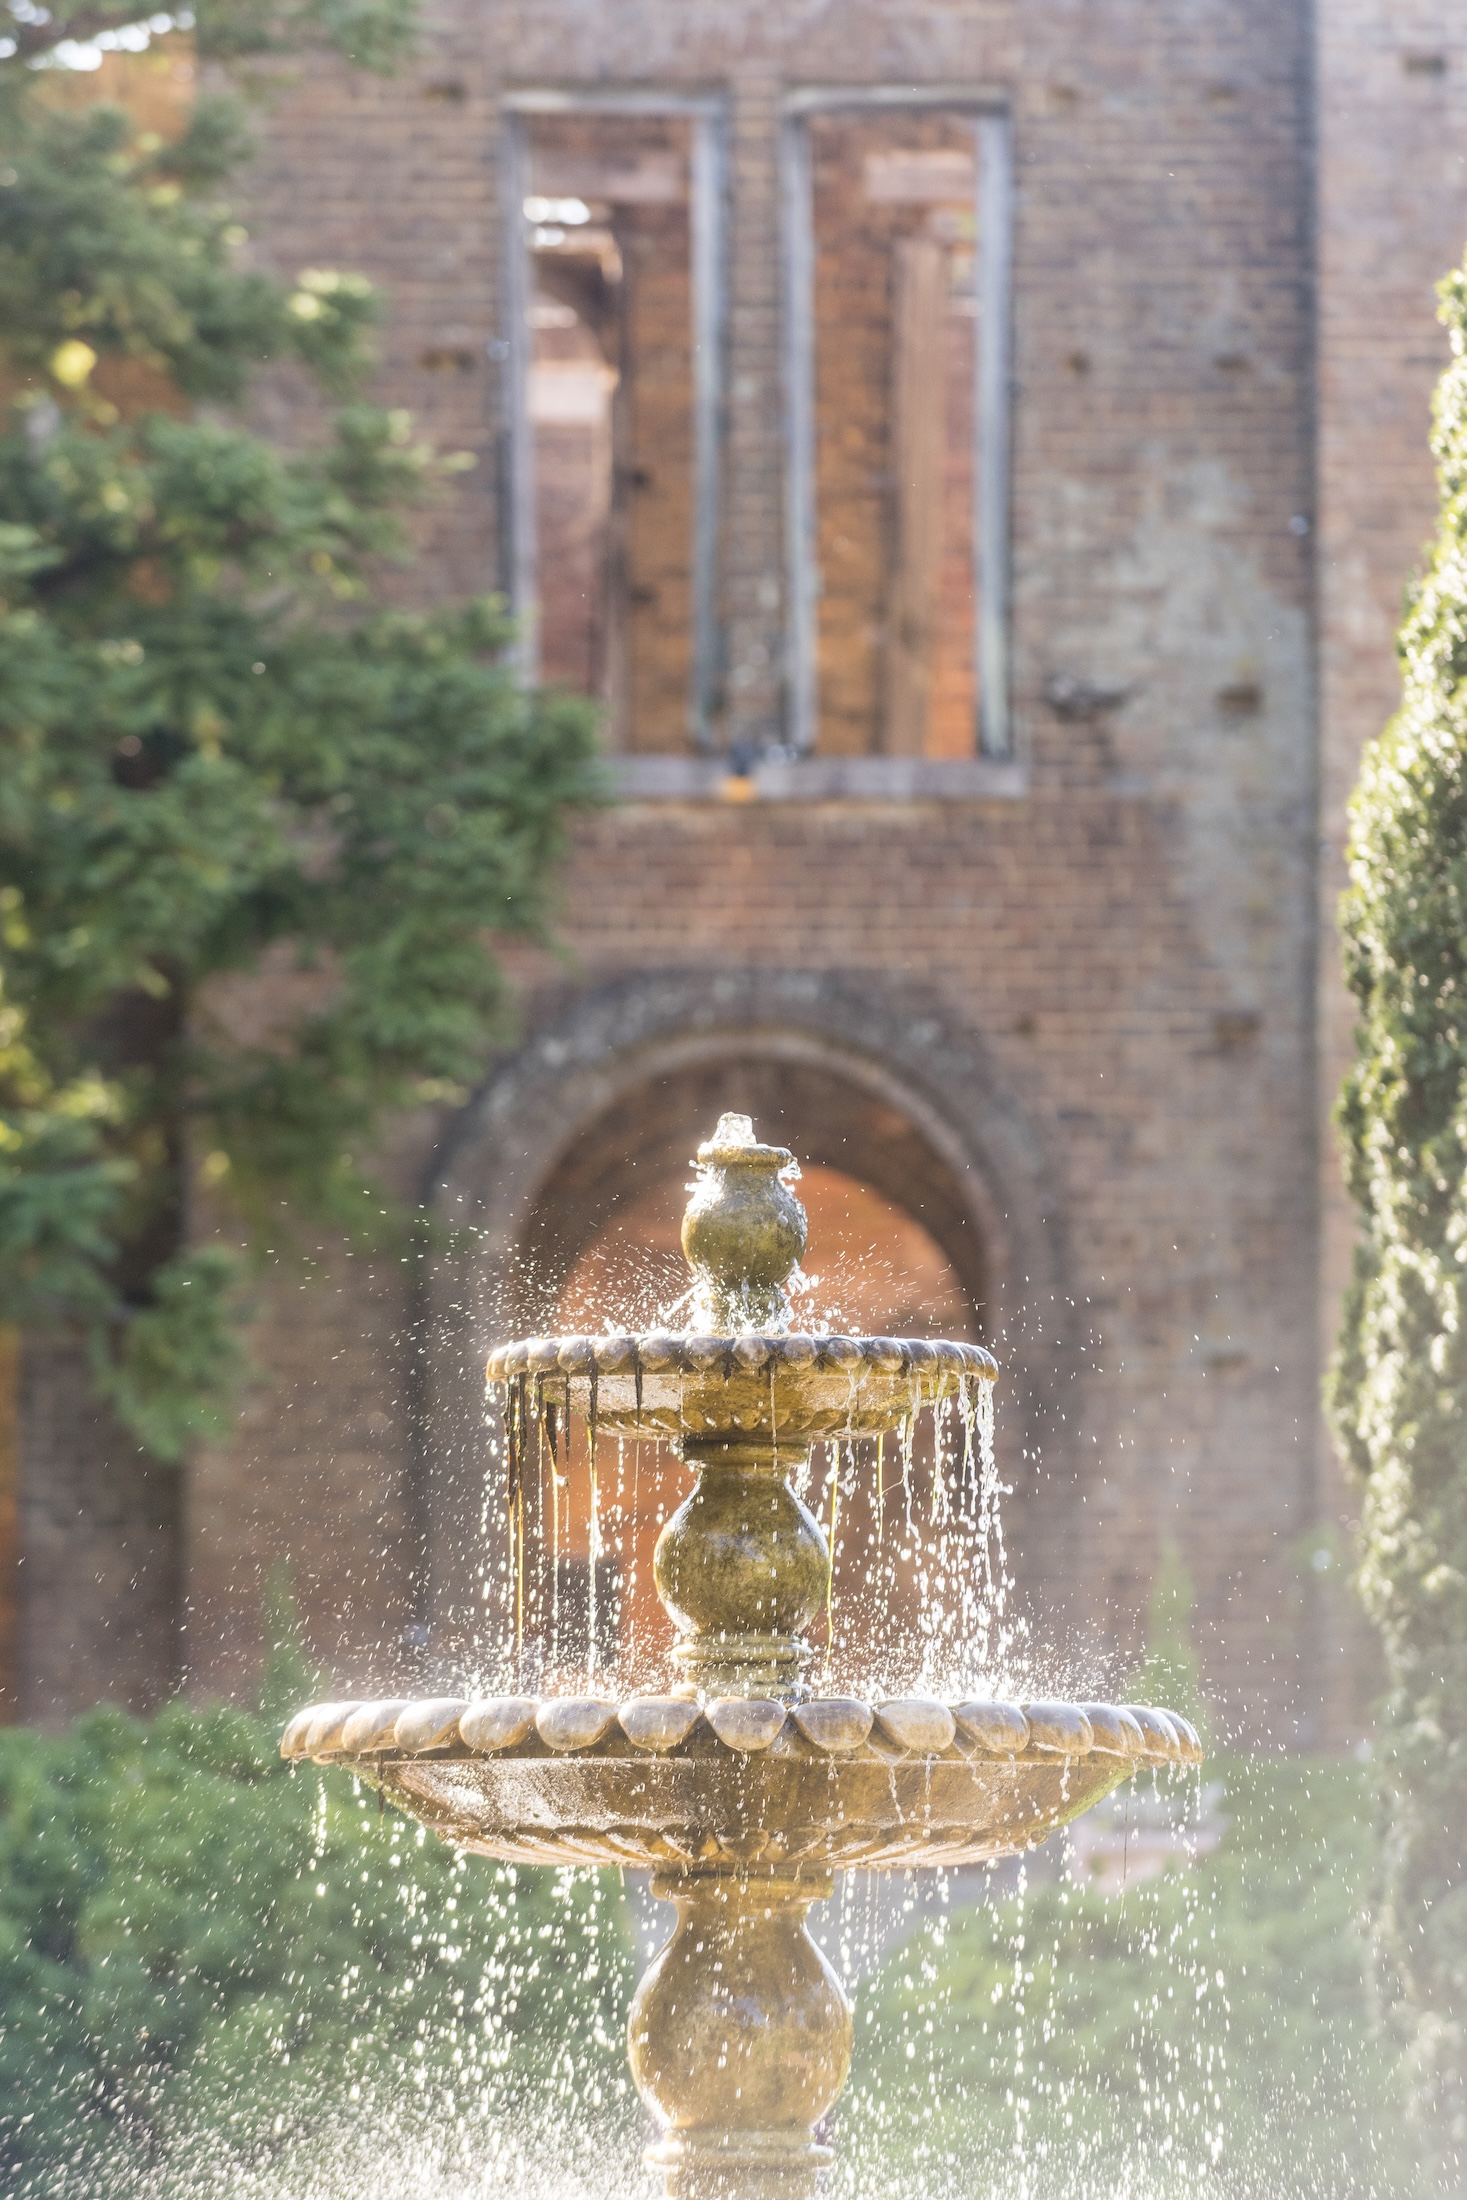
[
  {"x": 1131, "y": 940},
  {"x": 102, "y": 1553}
]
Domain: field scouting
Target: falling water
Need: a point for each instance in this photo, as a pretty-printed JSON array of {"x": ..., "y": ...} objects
[{"x": 977, "y": 1990}]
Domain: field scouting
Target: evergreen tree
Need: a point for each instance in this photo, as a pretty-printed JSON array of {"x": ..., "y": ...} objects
[
  {"x": 1399, "y": 1386},
  {"x": 217, "y": 741}
]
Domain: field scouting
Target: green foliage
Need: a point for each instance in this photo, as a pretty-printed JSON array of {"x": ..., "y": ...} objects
[
  {"x": 1399, "y": 1386},
  {"x": 115, "y": 240},
  {"x": 1210, "y": 2024},
  {"x": 195, "y": 1940},
  {"x": 211, "y": 1964},
  {"x": 171, "y": 1374},
  {"x": 373, "y": 33},
  {"x": 220, "y": 749}
]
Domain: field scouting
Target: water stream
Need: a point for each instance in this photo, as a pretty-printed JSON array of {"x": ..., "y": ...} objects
[{"x": 1078, "y": 2022}]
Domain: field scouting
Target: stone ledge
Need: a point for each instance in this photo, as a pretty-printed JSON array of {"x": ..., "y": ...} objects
[
  {"x": 438, "y": 1726},
  {"x": 819, "y": 779}
]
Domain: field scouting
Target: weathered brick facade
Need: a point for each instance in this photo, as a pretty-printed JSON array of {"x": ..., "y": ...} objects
[{"x": 1083, "y": 1000}]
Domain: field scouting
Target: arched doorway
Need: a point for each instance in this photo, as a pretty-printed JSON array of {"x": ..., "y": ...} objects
[{"x": 564, "y": 1186}]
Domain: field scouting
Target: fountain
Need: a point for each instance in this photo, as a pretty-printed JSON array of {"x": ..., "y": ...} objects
[{"x": 741, "y": 1787}]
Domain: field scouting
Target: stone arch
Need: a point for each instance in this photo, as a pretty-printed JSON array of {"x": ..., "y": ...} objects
[{"x": 857, "y": 1075}]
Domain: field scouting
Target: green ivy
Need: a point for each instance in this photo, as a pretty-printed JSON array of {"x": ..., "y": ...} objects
[
  {"x": 221, "y": 746},
  {"x": 1399, "y": 1386}
]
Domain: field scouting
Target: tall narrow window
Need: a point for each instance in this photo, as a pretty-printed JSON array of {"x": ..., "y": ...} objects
[
  {"x": 613, "y": 302},
  {"x": 897, "y": 354}
]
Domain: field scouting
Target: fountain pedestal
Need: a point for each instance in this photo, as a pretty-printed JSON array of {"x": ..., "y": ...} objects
[
  {"x": 743, "y": 1568},
  {"x": 740, "y": 2037}
]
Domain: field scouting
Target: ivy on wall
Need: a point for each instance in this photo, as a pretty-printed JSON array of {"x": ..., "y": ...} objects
[{"x": 1398, "y": 1390}]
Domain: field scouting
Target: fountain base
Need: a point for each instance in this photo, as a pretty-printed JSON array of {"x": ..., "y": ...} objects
[
  {"x": 740, "y": 2037},
  {"x": 754, "y": 2165}
]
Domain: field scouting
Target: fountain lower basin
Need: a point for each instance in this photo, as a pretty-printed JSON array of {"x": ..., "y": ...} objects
[
  {"x": 829, "y": 1784},
  {"x": 676, "y": 1816},
  {"x": 744, "y": 1808}
]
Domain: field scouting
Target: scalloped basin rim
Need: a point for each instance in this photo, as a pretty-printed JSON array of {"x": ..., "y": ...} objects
[
  {"x": 659, "y": 1351},
  {"x": 709, "y": 1385},
  {"x": 536, "y": 1728}
]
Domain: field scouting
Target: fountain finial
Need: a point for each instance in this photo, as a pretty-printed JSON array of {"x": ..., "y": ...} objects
[{"x": 743, "y": 1232}]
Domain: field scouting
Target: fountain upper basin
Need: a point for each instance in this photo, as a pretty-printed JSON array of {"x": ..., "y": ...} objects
[{"x": 790, "y": 1387}]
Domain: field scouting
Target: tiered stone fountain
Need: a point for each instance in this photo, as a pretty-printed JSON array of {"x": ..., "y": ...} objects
[{"x": 742, "y": 1789}]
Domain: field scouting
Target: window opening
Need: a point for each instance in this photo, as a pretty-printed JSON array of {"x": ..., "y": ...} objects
[
  {"x": 896, "y": 361},
  {"x": 612, "y": 305}
]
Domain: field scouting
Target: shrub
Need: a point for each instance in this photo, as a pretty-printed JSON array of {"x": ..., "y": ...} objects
[
  {"x": 1210, "y": 2025},
  {"x": 195, "y": 1938}
]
